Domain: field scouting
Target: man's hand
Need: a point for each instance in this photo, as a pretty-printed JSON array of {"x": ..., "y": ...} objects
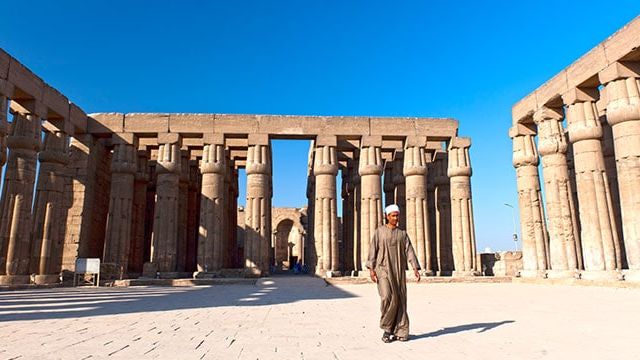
[
  {"x": 417, "y": 274},
  {"x": 373, "y": 275}
]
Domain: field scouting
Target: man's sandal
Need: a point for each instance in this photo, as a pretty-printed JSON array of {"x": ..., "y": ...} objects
[
  {"x": 387, "y": 337},
  {"x": 402, "y": 338}
]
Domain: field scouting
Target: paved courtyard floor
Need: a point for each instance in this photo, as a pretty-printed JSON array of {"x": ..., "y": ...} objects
[{"x": 300, "y": 317}]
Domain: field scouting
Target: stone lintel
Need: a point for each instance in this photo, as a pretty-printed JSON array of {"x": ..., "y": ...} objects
[
  {"x": 236, "y": 143},
  {"x": 258, "y": 139},
  {"x": 371, "y": 140},
  {"x": 548, "y": 113},
  {"x": 345, "y": 125},
  {"x": 392, "y": 144},
  {"x": 191, "y": 123},
  {"x": 147, "y": 143},
  {"x": 238, "y": 154},
  {"x": 327, "y": 140},
  {"x": 577, "y": 95},
  {"x": 460, "y": 142},
  {"x": 6, "y": 88},
  {"x": 189, "y": 143},
  {"x": 549, "y": 93},
  {"x": 146, "y": 123},
  {"x": 619, "y": 70},
  {"x": 169, "y": 138},
  {"x": 392, "y": 126},
  {"x": 213, "y": 139},
  {"x": 30, "y": 84},
  {"x": 520, "y": 130},
  {"x": 583, "y": 69},
  {"x": 413, "y": 141},
  {"x": 57, "y": 103},
  {"x": 123, "y": 139},
  {"x": 105, "y": 123},
  {"x": 5, "y": 59},
  {"x": 434, "y": 145},
  {"x": 33, "y": 106},
  {"x": 235, "y": 124},
  {"x": 77, "y": 118},
  {"x": 623, "y": 41}
]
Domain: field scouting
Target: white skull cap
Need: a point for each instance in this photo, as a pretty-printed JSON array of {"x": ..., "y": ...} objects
[{"x": 391, "y": 209}]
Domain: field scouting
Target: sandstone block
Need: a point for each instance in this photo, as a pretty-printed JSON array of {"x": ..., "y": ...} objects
[
  {"x": 169, "y": 138},
  {"x": 191, "y": 123},
  {"x": 213, "y": 139},
  {"x": 235, "y": 124},
  {"x": 371, "y": 141},
  {"x": 619, "y": 70},
  {"x": 289, "y": 125},
  {"x": 436, "y": 128},
  {"x": 552, "y": 89},
  {"x": 623, "y": 41},
  {"x": 105, "y": 123},
  {"x": 55, "y": 101},
  {"x": 258, "y": 139},
  {"x": 146, "y": 123},
  {"x": 586, "y": 66},
  {"x": 345, "y": 125},
  {"x": 5, "y": 59},
  {"x": 22, "y": 78},
  {"x": 390, "y": 126},
  {"x": 78, "y": 118}
]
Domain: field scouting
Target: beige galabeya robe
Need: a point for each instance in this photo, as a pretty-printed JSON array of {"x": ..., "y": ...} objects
[{"x": 389, "y": 252}]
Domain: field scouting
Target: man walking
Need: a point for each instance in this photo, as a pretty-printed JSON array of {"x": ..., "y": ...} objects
[{"x": 389, "y": 252}]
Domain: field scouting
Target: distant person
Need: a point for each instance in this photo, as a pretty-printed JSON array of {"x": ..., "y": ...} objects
[
  {"x": 297, "y": 268},
  {"x": 389, "y": 252}
]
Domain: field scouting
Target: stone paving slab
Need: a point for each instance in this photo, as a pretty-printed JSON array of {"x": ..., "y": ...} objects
[{"x": 300, "y": 317}]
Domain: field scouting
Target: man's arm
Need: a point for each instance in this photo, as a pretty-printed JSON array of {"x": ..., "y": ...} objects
[
  {"x": 411, "y": 257},
  {"x": 371, "y": 260}
]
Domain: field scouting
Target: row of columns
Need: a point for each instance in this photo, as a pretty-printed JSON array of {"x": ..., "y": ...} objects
[
  {"x": 583, "y": 236},
  {"x": 448, "y": 249},
  {"x": 30, "y": 240}
]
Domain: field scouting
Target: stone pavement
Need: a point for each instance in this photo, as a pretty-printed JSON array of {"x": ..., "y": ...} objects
[{"x": 300, "y": 317}]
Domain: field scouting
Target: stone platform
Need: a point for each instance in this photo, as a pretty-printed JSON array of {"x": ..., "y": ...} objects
[{"x": 301, "y": 317}]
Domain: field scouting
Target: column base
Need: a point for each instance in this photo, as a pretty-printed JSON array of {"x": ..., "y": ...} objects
[
  {"x": 466, "y": 273},
  {"x": 47, "y": 279},
  {"x": 332, "y": 273},
  {"x": 444, "y": 273},
  {"x": 609, "y": 275},
  {"x": 15, "y": 279},
  {"x": 631, "y": 275},
  {"x": 533, "y": 274},
  {"x": 562, "y": 274}
]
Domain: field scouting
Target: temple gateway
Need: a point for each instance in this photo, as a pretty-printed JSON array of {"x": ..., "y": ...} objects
[{"x": 156, "y": 195}]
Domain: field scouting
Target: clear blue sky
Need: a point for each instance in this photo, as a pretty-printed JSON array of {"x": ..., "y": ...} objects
[{"x": 471, "y": 60}]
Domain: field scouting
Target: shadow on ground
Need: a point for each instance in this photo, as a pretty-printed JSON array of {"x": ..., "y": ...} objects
[
  {"x": 85, "y": 302},
  {"x": 481, "y": 327}
]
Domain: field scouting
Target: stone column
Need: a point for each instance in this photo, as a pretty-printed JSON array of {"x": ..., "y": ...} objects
[
  {"x": 311, "y": 256},
  {"x": 370, "y": 169},
  {"x": 17, "y": 195},
  {"x": 417, "y": 213},
  {"x": 622, "y": 85},
  {"x": 164, "y": 242},
  {"x": 399, "y": 188},
  {"x": 608, "y": 152},
  {"x": 444, "y": 250},
  {"x": 183, "y": 203},
  {"x": 356, "y": 194},
  {"x": 552, "y": 146},
  {"x": 347, "y": 220},
  {"x": 48, "y": 235},
  {"x": 236, "y": 258},
  {"x": 431, "y": 210},
  {"x": 463, "y": 230},
  {"x": 141, "y": 180},
  {"x": 3, "y": 127},
  {"x": 258, "y": 210},
  {"x": 325, "y": 169},
  {"x": 120, "y": 219},
  {"x": 193, "y": 215},
  {"x": 600, "y": 243},
  {"x": 532, "y": 219},
  {"x": 211, "y": 236},
  {"x": 387, "y": 184}
]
